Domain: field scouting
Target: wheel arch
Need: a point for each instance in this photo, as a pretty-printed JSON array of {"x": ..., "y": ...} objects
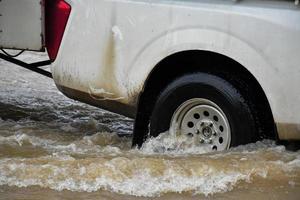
[{"x": 191, "y": 61}]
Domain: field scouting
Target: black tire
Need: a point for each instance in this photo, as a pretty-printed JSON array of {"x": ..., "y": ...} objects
[{"x": 213, "y": 88}]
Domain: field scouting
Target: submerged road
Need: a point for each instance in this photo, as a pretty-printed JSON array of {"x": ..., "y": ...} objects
[{"x": 52, "y": 147}]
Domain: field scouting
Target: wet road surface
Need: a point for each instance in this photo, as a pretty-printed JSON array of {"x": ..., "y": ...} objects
[{"x": 52, "y": 147}]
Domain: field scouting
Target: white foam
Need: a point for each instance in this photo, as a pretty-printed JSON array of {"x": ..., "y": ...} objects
[
  {"x": 138, "y": 176},
  {"x": 141, "y": 183},
  {"x": 22, "y": 139},
  {"x": 100, "y": 143},
  {"x": 166, "y": 144}
]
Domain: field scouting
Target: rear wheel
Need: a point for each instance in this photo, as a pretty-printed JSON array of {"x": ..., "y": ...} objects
[{"x": 206, "y": 109}]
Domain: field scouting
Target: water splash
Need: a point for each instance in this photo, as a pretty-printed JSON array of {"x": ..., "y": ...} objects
[{"x": 52, "y": 142}]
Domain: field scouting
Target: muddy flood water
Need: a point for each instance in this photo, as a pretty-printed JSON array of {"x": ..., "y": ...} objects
[{"x": 52, "y": 147}]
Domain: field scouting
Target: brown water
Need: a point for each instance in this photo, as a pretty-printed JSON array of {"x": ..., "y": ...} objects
[{"x": 54, "y": 148}]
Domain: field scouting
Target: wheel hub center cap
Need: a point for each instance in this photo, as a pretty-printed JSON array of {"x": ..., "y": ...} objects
[
  {"x": 207, "y": 132},
  {"x": 206, "y": 129}
]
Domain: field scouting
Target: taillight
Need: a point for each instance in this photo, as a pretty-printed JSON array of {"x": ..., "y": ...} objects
[{"x": 56, "y": 14}]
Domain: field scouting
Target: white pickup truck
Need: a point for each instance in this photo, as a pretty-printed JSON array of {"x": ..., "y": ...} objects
[{"x": 217, "y": 72}]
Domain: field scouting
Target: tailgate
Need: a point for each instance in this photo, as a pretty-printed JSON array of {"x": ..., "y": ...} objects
[{"x": 22, "y": 24}]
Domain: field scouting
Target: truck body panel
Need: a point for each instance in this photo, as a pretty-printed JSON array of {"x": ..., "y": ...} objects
[{"x": 122, "y": 41}]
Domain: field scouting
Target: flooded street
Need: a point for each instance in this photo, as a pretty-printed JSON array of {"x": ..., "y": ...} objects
[{"x": 52, "y": 147}]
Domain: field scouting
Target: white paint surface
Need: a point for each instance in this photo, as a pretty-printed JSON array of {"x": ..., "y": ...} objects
[{"x": 114, "y": 45}]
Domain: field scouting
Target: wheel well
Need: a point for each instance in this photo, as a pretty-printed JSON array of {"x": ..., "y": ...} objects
[{"x": 193, "y": 61}]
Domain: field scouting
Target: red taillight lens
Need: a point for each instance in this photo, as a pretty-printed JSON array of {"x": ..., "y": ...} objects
[{"x": 57, "y": 14}]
